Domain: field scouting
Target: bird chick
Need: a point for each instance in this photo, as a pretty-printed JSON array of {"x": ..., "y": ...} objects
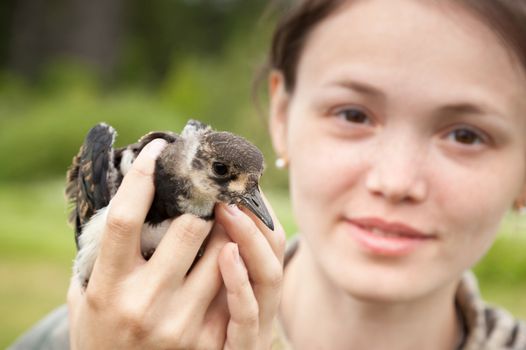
[{"x": 196, "y": 170}]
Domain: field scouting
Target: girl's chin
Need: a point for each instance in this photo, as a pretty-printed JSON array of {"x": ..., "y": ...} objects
[
  {"x": 391, "y": 292},
  {"x": 380, "y": 283}
]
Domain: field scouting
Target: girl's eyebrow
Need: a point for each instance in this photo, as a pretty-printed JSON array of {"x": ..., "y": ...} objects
[
  {"x": 469, "y": 108},
  {"x": 361, "y": 88},
  {"x": 462, "y": 108}
]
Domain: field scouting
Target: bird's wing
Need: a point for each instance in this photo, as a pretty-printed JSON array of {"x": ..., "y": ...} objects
[
  {"x": 168, "y": 136},
  {"x": 130, "y": 152},
  {"x": 91, "y": 176}
]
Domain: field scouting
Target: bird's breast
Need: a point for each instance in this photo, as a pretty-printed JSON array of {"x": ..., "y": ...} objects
[{"x": 151, "y": 235}]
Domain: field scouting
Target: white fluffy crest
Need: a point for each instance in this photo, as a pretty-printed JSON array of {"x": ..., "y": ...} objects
[
  {"x": 192, "y": 134},
  {"x": 194, "y": 128}
]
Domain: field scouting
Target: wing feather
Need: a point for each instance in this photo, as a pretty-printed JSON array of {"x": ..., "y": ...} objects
[{"x": 89, "y": 186}]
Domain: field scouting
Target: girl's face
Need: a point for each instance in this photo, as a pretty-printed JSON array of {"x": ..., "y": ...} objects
[{"x": 406, "y": 139}]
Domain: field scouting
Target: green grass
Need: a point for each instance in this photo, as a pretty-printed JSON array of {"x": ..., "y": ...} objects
[
  {"x": 37, "y": 248},
  {"x": 36, "y": 251}
]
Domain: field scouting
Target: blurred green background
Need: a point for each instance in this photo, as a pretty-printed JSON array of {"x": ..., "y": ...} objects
[{"x": 140, "y": 66}]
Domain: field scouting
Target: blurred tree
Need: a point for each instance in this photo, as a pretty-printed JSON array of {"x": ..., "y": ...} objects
[
  {"x": 6, "y": 10},
  {"x": 126, "y": 40},
  {"x": 162, "y": 32},
  {"x": 86, "y": 30}
]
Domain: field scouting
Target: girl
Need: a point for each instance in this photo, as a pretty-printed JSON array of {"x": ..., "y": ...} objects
[{"x": 403, "y": 125}]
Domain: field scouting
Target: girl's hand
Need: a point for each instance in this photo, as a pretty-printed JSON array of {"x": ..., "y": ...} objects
[
  {"x": 253, "y": 280},
  {"x": 131, "y": 303}
]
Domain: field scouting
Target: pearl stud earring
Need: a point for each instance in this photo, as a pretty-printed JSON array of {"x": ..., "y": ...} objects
[{"x": 281, "y": 163}]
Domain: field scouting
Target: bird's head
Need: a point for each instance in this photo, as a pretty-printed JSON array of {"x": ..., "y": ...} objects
[
  {"x": 230, "y": 167},
  {"x": 224, "y": 167}
]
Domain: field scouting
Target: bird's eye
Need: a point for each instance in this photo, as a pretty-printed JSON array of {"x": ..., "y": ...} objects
[{"x": 220, "y": 169}]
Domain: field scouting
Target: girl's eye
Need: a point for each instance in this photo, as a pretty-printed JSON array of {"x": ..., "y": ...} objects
[
  {"x": 354, "y": 115},
  {"x": 466, "y": 137}
]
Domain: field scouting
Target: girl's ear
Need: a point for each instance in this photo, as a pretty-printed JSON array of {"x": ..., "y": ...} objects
[
  {"x": 520, "y": 202},
  {"x": 279, "y": 104}
]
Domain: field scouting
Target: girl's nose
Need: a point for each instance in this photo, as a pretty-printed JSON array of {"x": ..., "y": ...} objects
[{"x": 397, "y": 169}]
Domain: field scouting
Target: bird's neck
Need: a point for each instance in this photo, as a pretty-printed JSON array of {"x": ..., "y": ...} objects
[
  {"x": 178, "y": 186},
  {"x": 171, "y": 184}
]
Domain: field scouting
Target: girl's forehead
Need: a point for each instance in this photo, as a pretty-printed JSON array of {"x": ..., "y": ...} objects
[
  {"x": 411, "y": 40},
  {"x": 407, "y": 28}
]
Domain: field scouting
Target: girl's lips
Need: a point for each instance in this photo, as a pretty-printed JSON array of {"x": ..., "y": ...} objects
[{"x": 379, "y": 237}]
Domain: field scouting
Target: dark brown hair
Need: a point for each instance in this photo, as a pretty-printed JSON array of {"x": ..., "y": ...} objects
[
  {"x": 291, "y": 34},
  {"x": 507, "y": 18}
]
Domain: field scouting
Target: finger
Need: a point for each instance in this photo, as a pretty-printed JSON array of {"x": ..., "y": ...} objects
[
  {"x": 120, "y": 245},
  {"x": 276, "y": 238},
  {"x": 264, "y": 268},
  {"x": 178, "y": 248},
  {"x": 243, "y": 326},
  {"x": 204, "y": 281}
]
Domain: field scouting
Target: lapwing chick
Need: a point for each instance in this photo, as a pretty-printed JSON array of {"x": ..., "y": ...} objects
[{"x": 196, "y": 170}]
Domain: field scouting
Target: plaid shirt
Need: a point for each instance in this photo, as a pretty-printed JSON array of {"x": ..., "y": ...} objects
[{"x": 485, "y": 327}]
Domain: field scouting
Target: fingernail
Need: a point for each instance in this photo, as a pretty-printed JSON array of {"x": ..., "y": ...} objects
[
  {"x": 232, "y": 209},
  {"x": 154, "y": 148}
]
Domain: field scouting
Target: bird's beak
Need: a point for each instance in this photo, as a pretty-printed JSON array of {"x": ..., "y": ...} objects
[{"x": 254, "y": 202}]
